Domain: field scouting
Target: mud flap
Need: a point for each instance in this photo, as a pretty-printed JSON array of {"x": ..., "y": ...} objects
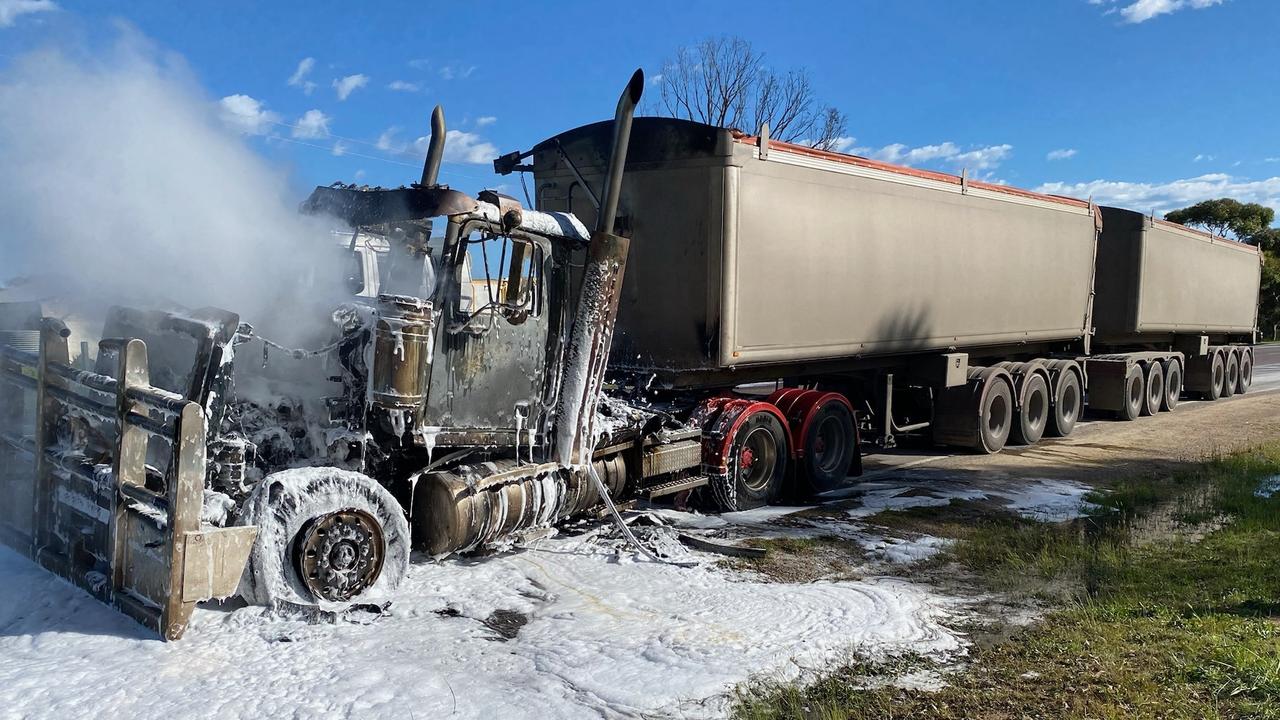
[{"x": 106, "y": 488}]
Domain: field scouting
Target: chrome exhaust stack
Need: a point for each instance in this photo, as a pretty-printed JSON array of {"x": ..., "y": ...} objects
[
  {"x": 435, "y": 149},
  {"x": 587, "y": 354}
]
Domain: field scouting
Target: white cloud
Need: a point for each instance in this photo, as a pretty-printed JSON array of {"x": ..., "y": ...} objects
[
  {"x": 1144, "y": 10},
  {"x": 11, "y": 10},
  {"x": 1203, "y": 158},
  {"x": 456, "y": 72},
  {"x": 388, "y": 143},
  {"x": 247, "y": 114},
  {"x": 979, "y": 159},
  {"x": 655, "y": 79},
  {"x": 1062, "y": 154},
  {"x": 339, "y": 149},
  {"x": 844, "y": 144},
  {"x": 299, "y": 77},
  {"x": 349, "y": 84},
  {"x": 402, "y": 86},
  {"x": 420, "y": 63},
  {"x": 465, "y": 147},
  {"x": 486, "y": 121},
  {"x": 1271, "y": 159},
  {"x": 313, "y": 124},
  {"x": 1163, "y": 197}
]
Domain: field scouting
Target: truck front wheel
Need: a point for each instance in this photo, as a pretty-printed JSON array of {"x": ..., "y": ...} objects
[
  {"x": 326, "y": 538},
  {"x": 756, "y": 467}
]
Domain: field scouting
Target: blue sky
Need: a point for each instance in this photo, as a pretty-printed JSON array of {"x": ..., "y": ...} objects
[{"x": 1149, "y": 104}]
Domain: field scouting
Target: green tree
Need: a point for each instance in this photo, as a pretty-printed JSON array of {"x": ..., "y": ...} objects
[{"x": 1249, "y": 223}]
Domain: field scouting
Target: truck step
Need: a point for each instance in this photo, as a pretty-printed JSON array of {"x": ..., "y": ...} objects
[{"x": 674, "y": 486}]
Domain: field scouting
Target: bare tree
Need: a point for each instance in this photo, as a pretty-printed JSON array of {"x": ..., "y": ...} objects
[{"x": 723, "y": 81}]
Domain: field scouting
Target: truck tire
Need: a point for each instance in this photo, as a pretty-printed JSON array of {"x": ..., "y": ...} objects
[
  {"x": 327, "y": 538},
  {"x": 1231, "y": 376},
  {"x": 1033, "y": 411},
  {"x": 757, "y": 465},
  {"x": 995, "y": 416},
  {"x": 1134, "y": 389},
  {"x": 1216, "y": 373},
  {"x": 1246, "y": 371},
  {"x": 1066, "y": 404},
  {"x": 1172, "y": 384},
  {"x": 829, "y": 447},
  {"x": 1154, "y": 396}
]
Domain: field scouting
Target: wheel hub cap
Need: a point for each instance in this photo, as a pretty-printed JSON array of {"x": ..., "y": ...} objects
[{"x": 339, "y": 555}]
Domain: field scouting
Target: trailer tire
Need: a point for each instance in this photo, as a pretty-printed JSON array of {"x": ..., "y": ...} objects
[
  {"x": 1231, "y": 377},
  {"x": 995, "y": 416},
  {"x": 1154, "y": 396},
  {"x": 286, "y": 507},
  {"x": 1217, "y": 372},
  {"x": 1134, "y": 398},
  {"x": 1246, "y": 371},
  {"x": 1067, "y": 398},
  {"x": 757, "y": 465},
  {"x": 1033, "y": 411},
  {"x": 1172, "y": 384},
  {"x": 829, "y": 447}
]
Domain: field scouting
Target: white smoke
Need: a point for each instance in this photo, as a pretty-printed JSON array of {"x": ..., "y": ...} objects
[{"x": 123, "y": 186}]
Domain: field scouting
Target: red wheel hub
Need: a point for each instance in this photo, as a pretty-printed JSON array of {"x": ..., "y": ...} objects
[{"x": 746, "y": 458}]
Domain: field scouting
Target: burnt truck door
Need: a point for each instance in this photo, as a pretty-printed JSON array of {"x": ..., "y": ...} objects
[{"x": 488, "y": 374}]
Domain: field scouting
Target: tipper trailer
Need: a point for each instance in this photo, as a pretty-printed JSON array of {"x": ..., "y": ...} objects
[{"x": 743, "y": 316}]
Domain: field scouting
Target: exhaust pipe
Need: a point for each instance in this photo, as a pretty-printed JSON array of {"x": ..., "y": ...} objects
[
  {"x": 435, "y": 150},
  {"x": 618, "y": 155},
  {"x": 587, "y": 353}
]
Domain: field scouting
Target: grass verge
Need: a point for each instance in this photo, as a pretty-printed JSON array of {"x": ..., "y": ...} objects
[{"x": 1169, "y": 597}]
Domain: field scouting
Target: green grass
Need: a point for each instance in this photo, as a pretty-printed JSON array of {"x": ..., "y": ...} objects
[{"x": 1170, "y": 624}]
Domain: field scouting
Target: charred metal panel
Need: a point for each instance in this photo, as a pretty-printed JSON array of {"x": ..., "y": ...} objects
[{"x": 1158, "y": 277}]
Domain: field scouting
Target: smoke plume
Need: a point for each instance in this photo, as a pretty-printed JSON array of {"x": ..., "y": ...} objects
[{"x": 122, "y": 186}]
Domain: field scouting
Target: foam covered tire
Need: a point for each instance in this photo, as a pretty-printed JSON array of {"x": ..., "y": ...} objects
[
  {"x": 1246, "y": 372},
  {"x": 1154, "y": 389},
  {"x": 830, "y": 445},
  {"x": 757, "y": 465},
  {"x": 1067, "y": 400},
  {"x": 1231, "y": 375},
  {"x": 1033, "y": 411},
  {"x": 286, "y": 506},
  {"x": 1217, "y": 371},
  {"x": 1172, "y": 384},
  {"x": 996, "y": 416},
  {"x": 1135, "y": 391}
]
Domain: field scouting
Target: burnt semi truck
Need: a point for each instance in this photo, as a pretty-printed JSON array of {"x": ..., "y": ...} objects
[{"x": 743, "y": 317}]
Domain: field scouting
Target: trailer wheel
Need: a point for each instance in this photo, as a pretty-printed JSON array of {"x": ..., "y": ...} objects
[
  {"x": 1066, "y": 404},
  {"x": 1172, "y": 384},
  {"x": 1246, "y": 371},
  {"x": 757, "y": 465},
  {"x": 1217, "y": 372},
  {"x": 1134, "y": 389},
  {"x": 1231, "y": 377},
  {"x": 1155, "y": 389},
  {"x": 829, "y": 446},
  {"x": 1033, "y": 412},
  {"x": 326, "y": 538},
  {"x": 995, "y": 416}
]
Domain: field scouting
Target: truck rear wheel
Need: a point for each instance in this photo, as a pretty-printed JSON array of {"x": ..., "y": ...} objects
[
  {"x": 829, "y": 447},
  {"x": 1246, "y": 371},
  {"x": 1231, "y": 377},
  {"x": 1134, "y": 389},
  {"x": 756, "y": 466},
  {"x": 995, "y": 416},
  {"x": 1033, "y": 412},
  {"x": 1172, "y": 384},
  {"x": 1066, "y": 404},
  {"x": 1155, "y": 389},
  {"x": 1217, "y": 372},
  {"x": 326, "y": 538}
]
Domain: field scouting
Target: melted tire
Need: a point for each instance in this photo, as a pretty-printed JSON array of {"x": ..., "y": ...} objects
[{"x": 285, "y": 504}]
